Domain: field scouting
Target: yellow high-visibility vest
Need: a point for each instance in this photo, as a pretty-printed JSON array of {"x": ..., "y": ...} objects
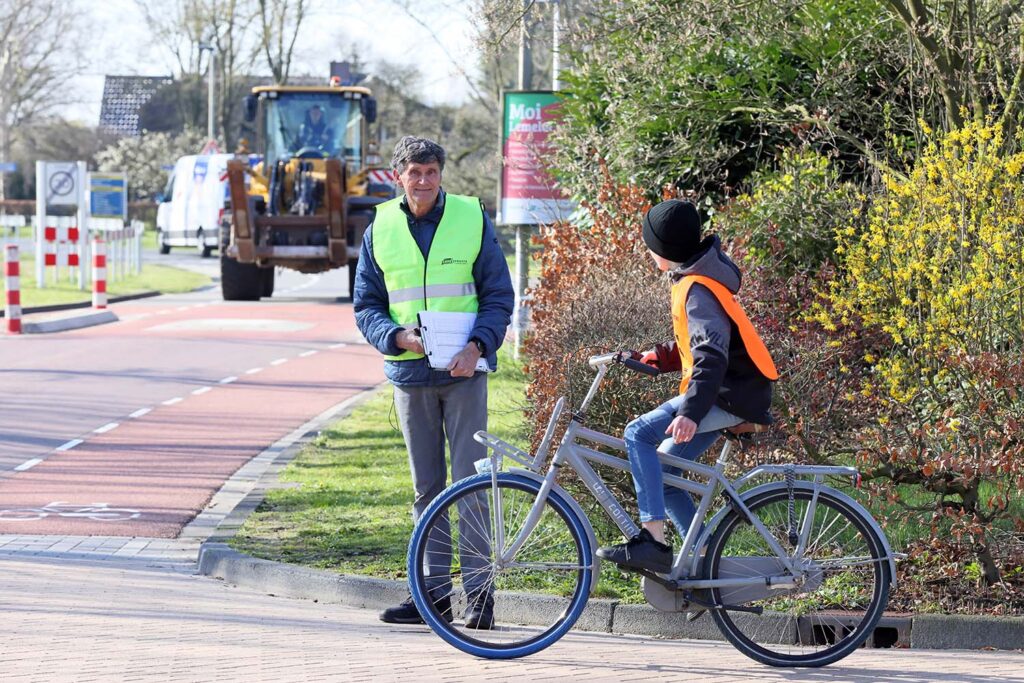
[{"x": 441, "y": 282}]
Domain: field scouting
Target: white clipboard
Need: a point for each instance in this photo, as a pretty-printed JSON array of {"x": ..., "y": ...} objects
[{"x": 444, "y": 335}]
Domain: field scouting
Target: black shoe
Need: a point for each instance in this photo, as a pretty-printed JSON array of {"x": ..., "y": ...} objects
[
  {"x": 480, "y": 612},
  {"x": 640, "y": 552},
  {"x": 406, "y": 613}
]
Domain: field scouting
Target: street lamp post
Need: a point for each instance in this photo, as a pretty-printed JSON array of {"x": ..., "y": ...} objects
[{"x": 203, "y": 47}]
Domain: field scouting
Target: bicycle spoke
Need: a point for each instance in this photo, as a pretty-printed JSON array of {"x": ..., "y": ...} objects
[
  {"x": 841, "y": 591},
  {"x": 548, "y": 561}
]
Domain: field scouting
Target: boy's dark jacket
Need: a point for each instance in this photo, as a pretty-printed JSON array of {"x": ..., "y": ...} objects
[{"x": 723, "y": 372}]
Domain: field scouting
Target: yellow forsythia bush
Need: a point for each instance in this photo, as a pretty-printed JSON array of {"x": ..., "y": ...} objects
[{"x": 939, "y": 271}]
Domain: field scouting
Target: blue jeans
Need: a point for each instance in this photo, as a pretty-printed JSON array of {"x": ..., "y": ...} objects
[{"x": 644, "y": 437}]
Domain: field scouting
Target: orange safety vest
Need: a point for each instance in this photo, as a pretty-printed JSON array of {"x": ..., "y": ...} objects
[{"x": 756, "y": 349}]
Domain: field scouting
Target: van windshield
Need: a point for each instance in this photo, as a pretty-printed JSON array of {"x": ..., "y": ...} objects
[{"x": 313, "y": 125}]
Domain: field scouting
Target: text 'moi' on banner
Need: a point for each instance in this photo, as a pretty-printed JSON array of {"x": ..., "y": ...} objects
[{"x": 528, "y": 192}]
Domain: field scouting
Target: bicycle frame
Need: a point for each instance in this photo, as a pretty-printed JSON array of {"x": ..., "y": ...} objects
[{"x": 578, "y": 449}]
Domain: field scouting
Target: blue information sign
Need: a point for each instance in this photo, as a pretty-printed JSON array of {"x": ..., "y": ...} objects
[
  {"x": 8, "y": 167},
  {"x": 108, "y": 195}
]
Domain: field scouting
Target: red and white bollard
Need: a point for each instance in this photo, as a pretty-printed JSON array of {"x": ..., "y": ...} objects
[
  {"x": 99, "y": 273},
  {"x": 12, "y": 310}
]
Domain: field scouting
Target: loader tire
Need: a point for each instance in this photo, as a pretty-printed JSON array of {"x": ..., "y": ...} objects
[{"x": 240, "y": 281}]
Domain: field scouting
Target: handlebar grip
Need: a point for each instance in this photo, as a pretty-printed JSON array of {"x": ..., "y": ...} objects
[{"x": 637, "y": 366}]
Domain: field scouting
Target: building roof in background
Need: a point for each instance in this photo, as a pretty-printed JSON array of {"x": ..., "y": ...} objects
[{"x": 123, "y": 99}]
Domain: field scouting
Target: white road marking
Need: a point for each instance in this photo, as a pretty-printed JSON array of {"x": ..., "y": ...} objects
[
  {"x": 172, "y": 401},
  {"x": 201, "y": 390},
  {"x": 307, "y": 354},
  {"x": 107, "y": 427},
  {"x": 181, "y": 308},
  {"x": 68, "y": 446},
  {"x": 279, "y": 361},
  {"x": 140, "y": 412},
  {"x": 28, "y": 464},
  {"x": 253, "y": 371},
  {"x": 338, "y": 346},
  {"x": 228, "y": 380}
]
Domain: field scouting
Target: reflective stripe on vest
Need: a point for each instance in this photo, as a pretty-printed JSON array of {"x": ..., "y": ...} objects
[
  {"x": 755, "y": 348},
  {"x": 441, "y": 282}
]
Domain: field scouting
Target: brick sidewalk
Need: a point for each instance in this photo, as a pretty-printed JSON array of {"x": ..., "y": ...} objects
[{"x": 119, "y": 619}]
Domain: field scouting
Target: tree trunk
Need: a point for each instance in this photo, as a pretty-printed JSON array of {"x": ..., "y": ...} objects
[{"x": 989, "y": 570}]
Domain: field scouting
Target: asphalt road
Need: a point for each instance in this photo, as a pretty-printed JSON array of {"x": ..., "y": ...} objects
[{"x": 147, "y": 417}]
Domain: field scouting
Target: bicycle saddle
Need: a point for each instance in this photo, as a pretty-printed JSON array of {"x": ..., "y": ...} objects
[{"x": 746, "y": 428}]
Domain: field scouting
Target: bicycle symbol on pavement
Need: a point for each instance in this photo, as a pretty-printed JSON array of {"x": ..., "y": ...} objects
[{"x": 98, "y": 512}]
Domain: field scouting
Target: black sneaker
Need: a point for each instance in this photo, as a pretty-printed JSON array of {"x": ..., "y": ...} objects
[
  {"x": 480, "y": 611},
  {"x": 406, "y": 613},
  {"x": 640, "y": 552}
]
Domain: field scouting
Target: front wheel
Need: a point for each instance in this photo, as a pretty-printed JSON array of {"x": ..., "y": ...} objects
[
  {"x": 538, "y": 594},
  {"x": 824, "y": 613}
]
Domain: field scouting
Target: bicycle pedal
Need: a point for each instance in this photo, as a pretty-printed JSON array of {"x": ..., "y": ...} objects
[{"x": 694, "y": 616}]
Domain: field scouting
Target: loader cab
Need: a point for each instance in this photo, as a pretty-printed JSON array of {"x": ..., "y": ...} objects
[{"x": 312, "y": 123}]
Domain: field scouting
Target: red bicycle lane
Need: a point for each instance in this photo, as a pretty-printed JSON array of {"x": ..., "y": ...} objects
[{"x": 168, "y": 463}]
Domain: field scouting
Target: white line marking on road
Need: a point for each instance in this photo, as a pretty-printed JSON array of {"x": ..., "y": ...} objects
[
  {"x": 181, "y": 308},
  {"x": 279, "y": 361},
  {"x": 228, "y": 380},
  {"x": 307, "y": 354},
  {"x": 28, "y": 464},
  {"x": 140, "y": 412},
  {"x": 338, "y": 346},
  {"x": 107, "y": 427},
  {"x": 253, "y": 371},
  {"x": 172, "y": 401},
  {"x": 68, "y": 446},
  {"x": 201, "y": 390}
]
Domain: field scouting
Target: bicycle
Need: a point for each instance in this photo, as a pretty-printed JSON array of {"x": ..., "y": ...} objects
[{"x": 793, "y": 572}]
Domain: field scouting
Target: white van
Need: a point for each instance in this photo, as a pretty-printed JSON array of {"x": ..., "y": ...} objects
[{"x": 194, "y": 204}]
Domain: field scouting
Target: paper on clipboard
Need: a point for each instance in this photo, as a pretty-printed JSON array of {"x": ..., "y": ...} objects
[{"x": 444, "y": 335}]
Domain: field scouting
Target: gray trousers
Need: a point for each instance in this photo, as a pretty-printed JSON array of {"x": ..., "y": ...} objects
[{"x": 428, "y": 416}]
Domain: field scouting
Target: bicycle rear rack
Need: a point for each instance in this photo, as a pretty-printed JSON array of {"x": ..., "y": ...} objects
[{"x": 505, "y": 449}]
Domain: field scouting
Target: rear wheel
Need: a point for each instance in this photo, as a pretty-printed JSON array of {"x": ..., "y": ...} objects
[
  {"x": 268, "y": 282},
  {"x": 161, "y": 239},
  {"x": 538, "y": 595},
  {"x": 201, "y": 248},
  {"x": 825, "y": 614},
  {"x": 352, "y": 279}
]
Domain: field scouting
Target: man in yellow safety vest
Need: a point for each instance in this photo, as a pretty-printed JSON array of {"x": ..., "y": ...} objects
[{"x": 429, "y": 250}]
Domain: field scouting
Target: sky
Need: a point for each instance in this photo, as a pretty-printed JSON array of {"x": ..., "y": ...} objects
[{"x": 381, "y": 29}]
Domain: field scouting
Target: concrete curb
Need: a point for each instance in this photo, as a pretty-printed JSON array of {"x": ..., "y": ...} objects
[
  {"x": 73, "y": 322},
  {"x": 964, "y": 632},
  {"x": 54, "y": 308}
]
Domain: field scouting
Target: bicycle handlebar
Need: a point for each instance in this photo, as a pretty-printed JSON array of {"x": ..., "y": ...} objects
[
  {"x": 624, "y": 358},
  {"x": 641, "y": 367}
]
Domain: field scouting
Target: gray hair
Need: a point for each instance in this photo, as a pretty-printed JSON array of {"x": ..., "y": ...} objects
[{"x": 413, "y": 150}]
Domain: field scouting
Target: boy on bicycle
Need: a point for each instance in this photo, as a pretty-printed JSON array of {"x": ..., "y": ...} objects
[{"x": 727, "y": 377}]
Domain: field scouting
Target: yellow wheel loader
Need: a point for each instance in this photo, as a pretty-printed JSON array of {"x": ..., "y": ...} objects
[{"x": 305, "y": 199}]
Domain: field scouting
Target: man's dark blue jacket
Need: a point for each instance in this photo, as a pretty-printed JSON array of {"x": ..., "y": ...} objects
[{"x": 494, "y": 293}]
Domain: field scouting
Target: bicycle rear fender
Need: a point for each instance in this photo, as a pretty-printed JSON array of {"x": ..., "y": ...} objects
[
  {"x": 575, "y": 507},
  {"x": 709, "y": 529}
]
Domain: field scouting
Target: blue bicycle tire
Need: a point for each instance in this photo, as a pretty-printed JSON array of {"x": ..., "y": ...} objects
[{"x": 451, "y": 632}]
